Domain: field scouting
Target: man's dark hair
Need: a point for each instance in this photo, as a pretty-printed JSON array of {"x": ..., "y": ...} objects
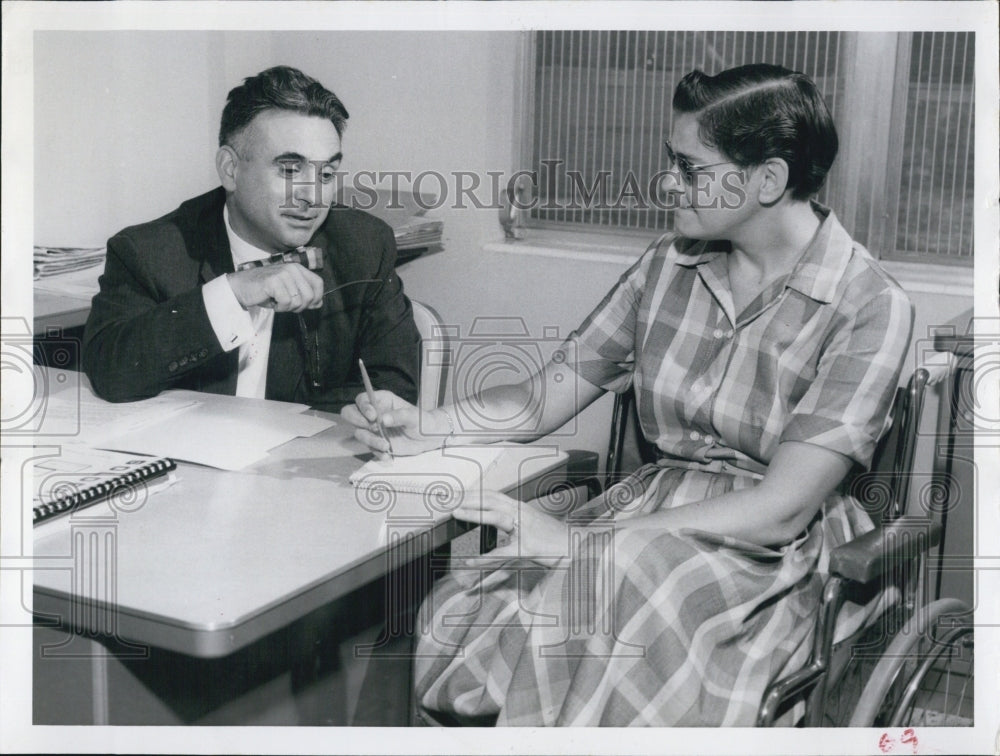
[
  {"x": 756, "y": 112},
  {"x": 278, "y": 88}
]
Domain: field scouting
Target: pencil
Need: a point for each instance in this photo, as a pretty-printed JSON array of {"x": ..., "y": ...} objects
[{"x": 371, "y": 398}]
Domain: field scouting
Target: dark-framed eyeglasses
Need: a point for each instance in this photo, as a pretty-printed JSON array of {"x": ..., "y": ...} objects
[{"x": 688, "y": 169}]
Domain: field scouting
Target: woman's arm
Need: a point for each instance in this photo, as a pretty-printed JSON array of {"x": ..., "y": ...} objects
[
  {"x": 772, "y": 513},
  {"x": 551, "y": 397},
  {"x": 799, "y": 479},
  {"x": 836, "y": 424}
]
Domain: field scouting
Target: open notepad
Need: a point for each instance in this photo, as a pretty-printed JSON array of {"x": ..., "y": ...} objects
[{"x": 459, "y": 468}]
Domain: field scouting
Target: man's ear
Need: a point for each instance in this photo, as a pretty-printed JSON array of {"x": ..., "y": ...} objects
[
  {"x": 225, "y": 165},
  {"x": 774, "y": 180}
]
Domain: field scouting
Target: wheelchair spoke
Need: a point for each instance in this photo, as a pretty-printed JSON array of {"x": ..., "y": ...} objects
[
  {"x": 941, "y": 691},
  {"x": 925, "y": 651}
]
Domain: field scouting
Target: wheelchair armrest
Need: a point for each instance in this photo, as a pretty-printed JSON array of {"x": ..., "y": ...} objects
[
  {"x": 582, "y": 463},
  {"x": 868, "y": 557}
]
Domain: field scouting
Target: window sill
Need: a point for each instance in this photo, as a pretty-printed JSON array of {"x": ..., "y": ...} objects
[
  {"x": 927, "y": 278},
  {"x": 623, "y": 249},
  {"x": 574, "y": 245}
]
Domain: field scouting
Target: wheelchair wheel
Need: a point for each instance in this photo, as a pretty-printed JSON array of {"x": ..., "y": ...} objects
[
  {"x": 940, "y": 692},
  {"x": 851, "y": 669},
  {"x": 927, "y": 651}
]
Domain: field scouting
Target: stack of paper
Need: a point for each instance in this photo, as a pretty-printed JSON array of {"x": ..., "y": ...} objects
[
  {"x": 51, "y": 261},
  {"x": 84, "y": 283},
  {"x": 417, "y": 232},
  {"x": 404, "y": 211}
]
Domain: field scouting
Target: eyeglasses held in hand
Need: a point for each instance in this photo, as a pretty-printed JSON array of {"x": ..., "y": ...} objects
[{"x": 312, "y": 345}]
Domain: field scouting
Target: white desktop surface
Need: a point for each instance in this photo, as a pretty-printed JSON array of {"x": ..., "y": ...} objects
[
  {"x": 60, "y": 311},
  {"x": 221, "y": 558}
]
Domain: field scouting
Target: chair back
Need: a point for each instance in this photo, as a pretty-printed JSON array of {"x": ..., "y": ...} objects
[
  {"x": 628, "y": 449},
  {"x": 884, "y": 489},
  {"x": 434, "y": 359}
]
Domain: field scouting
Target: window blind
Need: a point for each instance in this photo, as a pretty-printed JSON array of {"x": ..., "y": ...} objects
[
  {"x": 600, "y": 110},
  {"x": 934, "y": 214}
]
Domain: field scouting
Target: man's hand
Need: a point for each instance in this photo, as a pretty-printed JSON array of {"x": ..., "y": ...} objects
[{"x": 289, "y": 287}]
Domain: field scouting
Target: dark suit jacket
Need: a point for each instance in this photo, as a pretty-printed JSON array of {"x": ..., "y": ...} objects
[{"x": 148, "y": 329}]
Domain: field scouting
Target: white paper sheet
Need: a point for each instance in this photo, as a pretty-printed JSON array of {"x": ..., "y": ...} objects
[
  {"x": 219, "y": 431},
  {"x": 99, "y": 421}
]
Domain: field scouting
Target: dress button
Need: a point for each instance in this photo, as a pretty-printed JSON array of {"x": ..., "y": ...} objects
[
  {"x": 203, "y": 353},
  {"x": 182, "y": 361},
  {"x": 729, "y": 334},
  {"x": 709, "y": 440},
  {"x": 717, "y": 333},
  {"x": 172, "y": 367},
  {"x": 695, "y": 435}
]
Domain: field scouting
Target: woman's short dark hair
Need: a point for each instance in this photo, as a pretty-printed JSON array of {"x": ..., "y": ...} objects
[
  {"x": 756, "y": 112},
  {"x": 279, "y": 88}
]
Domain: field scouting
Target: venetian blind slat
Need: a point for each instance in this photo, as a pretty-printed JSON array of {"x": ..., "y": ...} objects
[{"x": 602, "y": 110}]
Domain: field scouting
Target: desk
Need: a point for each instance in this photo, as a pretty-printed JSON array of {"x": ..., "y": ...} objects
[
  {"x": 223, "y": 560},
  {"x": 59, "y": 319},
  {"x": 59, "y": 311}
]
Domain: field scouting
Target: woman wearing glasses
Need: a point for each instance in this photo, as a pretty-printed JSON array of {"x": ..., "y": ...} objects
[{"x": 764, "y": 347}]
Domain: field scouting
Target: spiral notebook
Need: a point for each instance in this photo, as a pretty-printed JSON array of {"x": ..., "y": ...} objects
[
  {"x": 80, "y": 477},
  {"x": 459, "y": 467}
]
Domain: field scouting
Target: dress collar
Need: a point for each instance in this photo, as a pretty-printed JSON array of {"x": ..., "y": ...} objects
[{"x": 817, "y": 273}]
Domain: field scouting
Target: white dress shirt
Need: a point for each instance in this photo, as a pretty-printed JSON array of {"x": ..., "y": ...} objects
[{"x": 250, "y": 329}]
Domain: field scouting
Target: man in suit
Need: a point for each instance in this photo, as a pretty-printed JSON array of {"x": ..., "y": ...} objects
[{"x": 182, "y": 305}]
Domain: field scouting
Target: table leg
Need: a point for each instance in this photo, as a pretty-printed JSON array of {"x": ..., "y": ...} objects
[{"x": 99, "y": 683}]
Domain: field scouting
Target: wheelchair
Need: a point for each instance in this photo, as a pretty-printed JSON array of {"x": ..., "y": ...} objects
[{"x": 882, "y": 654}]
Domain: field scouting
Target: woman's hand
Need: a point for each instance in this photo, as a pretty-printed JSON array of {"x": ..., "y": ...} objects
[
  {"x": 534, "y": 534},
  {"x": 409, "y": 430}
]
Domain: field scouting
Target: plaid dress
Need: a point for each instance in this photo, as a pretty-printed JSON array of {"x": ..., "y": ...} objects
[{"x": 687, "y": 628}]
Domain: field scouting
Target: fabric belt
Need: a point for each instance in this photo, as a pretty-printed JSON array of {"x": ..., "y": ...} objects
[{"x": 733, "y": 467}]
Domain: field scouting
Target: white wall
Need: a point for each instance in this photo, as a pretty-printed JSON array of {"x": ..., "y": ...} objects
[
  {"x": 126, "y": 124},
  {"x": 123, "y": 129}
]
